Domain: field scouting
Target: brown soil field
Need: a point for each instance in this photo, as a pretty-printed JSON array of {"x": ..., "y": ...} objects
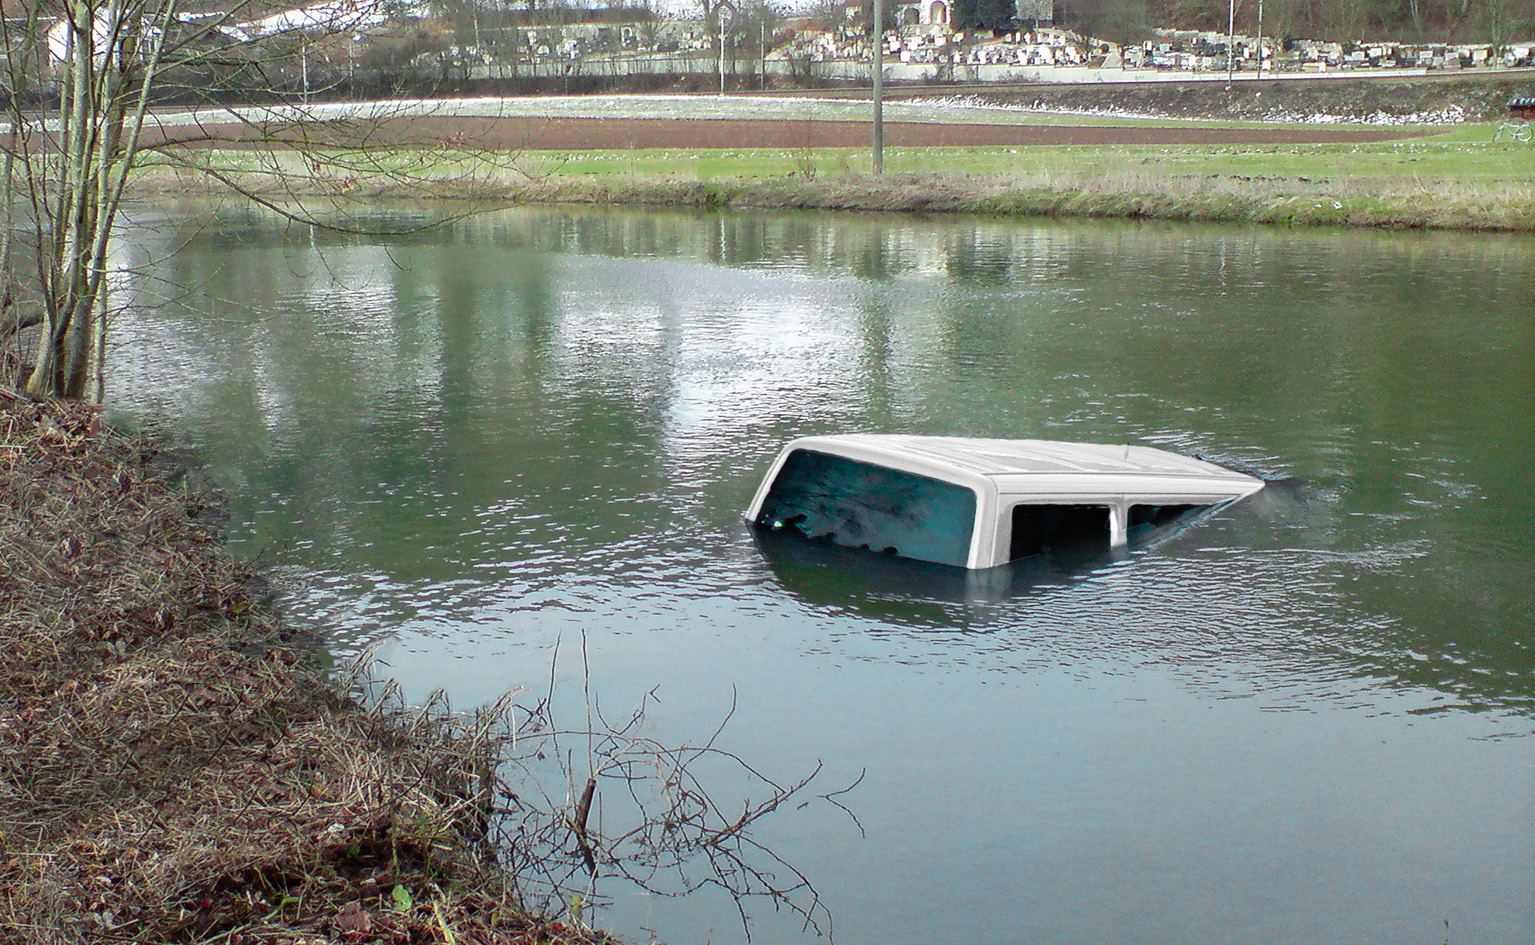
[{"x": 596, "y": 134}]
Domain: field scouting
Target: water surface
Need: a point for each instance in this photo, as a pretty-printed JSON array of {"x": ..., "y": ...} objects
[{"x": 1305, "y": 718}]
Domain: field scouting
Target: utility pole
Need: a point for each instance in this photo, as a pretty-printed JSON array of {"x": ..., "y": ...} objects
[
  {"x": 879, "y": 86},
  {"x": 1260, "y": 39},
  {"x": 1231, "y": 43}
]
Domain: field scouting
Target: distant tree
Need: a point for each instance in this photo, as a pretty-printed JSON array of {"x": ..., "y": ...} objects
[
  {"x": 465, "y": 17},
  {"x": 1494, "y": 21},
  {"x": 100, "y": 65},
  {"x": 1118, "y": 21},
  {"x": 985, "y": 14},
  {"x": 828, "y": 15},
  {"x": 713, "y": 9},
  {"x": 1409, "y": 13},
  {"x": 1505, "y": 20},
  {"x": 755, "y": 24},
  {"x": 68, "y": 176},
  {"x": 1279, "y": 19},
  {"x": 1344, "y": 20},
  {"x": 1185, "y": 14}
]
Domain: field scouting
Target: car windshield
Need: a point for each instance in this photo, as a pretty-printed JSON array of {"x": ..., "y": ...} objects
[{"x": 861, "y": 505}]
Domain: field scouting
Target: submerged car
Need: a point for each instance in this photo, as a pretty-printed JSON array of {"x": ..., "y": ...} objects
[{"x": 980, "y": 503}]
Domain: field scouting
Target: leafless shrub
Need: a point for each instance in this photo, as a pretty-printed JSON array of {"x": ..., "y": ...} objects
[
  {"x": 571, "y": 810},
  {"x": 174, "y": 766}
]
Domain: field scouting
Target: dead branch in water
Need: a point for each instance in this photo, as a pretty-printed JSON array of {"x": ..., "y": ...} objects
[{"x": 174, "y": 766}]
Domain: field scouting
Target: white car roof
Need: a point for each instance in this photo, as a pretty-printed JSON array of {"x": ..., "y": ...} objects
[
  {"x": 1005, "y": 474},
  {"x": 1012, "y": 464}
]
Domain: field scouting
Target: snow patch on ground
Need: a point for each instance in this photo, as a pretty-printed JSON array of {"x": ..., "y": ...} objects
[
  {"x": 1042, "y": 108},
  {"x": 1450, "y": 115},
  {"x": 952, "y": 109}
]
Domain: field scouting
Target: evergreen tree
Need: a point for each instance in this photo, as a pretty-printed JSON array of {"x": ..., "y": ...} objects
[{"x": 985, "y": 14}]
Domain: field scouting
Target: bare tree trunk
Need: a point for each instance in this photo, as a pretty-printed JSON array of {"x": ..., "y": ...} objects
[
  {"x": 76, "y": 186},
  {"x": 65, "y": 179},
  {"x": 22, "y": 53}
]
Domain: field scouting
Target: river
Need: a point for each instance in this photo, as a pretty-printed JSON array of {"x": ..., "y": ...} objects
[{"x": 1305, "y": 718}]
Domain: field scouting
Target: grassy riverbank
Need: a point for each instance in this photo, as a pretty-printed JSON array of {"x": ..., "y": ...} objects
[
  {"x": 1407, "y": 185},
  {"x": 175, "y": 769},
  {"x": 1458, "y": 180}
]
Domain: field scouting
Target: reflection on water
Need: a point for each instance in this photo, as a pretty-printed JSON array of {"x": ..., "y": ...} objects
[
  {"x": 901, "y": 591},
  {"x": 1284, "y": 722}
]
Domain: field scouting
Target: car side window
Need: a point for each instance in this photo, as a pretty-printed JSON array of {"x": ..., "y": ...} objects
[{"x": 861, "y": 505}]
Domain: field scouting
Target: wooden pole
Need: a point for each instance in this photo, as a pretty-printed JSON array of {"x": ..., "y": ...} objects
[
  {"x": 1231, "y": 44},
  {"x": 879, "y": 86},
  {"x": 1260, "y": 39}
]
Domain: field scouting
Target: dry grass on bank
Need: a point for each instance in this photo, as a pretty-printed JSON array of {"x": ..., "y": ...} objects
[
  {"x": 1193, "y": 193},
  {"x": 172, "y": 767},
  {"x": 1214, "y": 199}
]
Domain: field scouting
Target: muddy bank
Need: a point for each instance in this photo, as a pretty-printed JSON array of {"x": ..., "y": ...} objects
[{"x": 173, "y": 767}]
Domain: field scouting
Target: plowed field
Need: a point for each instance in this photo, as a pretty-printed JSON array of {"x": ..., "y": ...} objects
[
  {"x": 561, "y": 133},
  {"x": 607, "y": 133}
]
